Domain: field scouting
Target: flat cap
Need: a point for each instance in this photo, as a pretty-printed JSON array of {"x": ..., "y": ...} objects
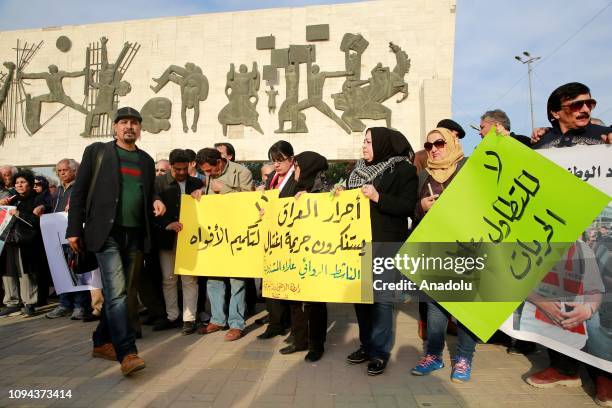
[{"x": 127, "y": 112}]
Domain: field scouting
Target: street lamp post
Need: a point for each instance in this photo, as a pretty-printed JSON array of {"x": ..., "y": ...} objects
[{"x": 529, "y": 60}]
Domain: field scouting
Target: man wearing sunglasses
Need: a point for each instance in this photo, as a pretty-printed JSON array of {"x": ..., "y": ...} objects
[{"x": 569, "y": 110}]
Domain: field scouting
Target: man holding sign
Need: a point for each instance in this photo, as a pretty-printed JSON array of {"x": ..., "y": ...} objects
[
  {"x": 170, "y": 187},
  {"x": 569, "y": 111},
  {"x": 224, "y": 177}
]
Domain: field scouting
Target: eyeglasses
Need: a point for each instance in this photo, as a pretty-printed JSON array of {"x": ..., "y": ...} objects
[
  {"x": 440, "y": 143},
  {"x": 577, "y": 105},
  {"x": 281, "y": 161},
  {"x": 38, "y": 184}
]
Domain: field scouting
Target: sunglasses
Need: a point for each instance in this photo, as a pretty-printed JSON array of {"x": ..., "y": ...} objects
[
  {"x": 37, "y": 184},
  {"x": 577, "y": 105},
  {"x": 440, "y": 143}
]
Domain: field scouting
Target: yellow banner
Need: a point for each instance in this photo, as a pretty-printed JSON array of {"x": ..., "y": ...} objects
[
  {"x": 311, "y": 248},
  {"x": 315, "y": 248},
  {"x": 222, "y": 236}
]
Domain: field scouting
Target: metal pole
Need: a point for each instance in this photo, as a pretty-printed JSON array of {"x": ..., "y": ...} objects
[
  {"x": 528, "y": 61},
  {"x": 530, "y": 94}
]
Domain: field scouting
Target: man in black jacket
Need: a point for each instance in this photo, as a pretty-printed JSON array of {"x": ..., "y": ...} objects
[
  {"x": 170, "y": 187},
  {"x": 113, "y": 196},
  {"x": 569, "y": 110}
]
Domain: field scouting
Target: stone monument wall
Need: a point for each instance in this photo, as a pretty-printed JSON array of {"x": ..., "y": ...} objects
[{"x": 326, "y": 71}]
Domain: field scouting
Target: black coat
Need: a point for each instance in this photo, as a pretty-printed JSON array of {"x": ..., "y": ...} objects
[
  {"x": 169, "y": 192},
  {"x": 30, "y": 254},
  {"x": 289, "y": 187},
  {"x": 105, "y": 196},
  {"x": 397, "y": 189},
  {"x": 588, "y": 135}
]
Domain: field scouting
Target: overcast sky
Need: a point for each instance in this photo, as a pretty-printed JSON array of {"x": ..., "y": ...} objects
[{"x": 574, "y": 39}]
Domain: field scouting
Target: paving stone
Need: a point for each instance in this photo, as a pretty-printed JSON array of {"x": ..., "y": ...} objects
[{"x": 205, "y": 371}]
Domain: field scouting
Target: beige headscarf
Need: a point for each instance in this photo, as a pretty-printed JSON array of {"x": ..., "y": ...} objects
[{"x": 442, "y": 170}]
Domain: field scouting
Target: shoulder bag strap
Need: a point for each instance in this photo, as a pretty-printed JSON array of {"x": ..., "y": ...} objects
[{"x": 97, "y": 164}]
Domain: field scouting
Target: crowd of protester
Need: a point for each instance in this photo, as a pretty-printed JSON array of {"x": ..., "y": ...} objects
[{"x": 399, "y": 183}]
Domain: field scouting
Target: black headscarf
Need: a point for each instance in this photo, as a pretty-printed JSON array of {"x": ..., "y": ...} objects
[
  {"x": 387, "y": 143},
  {"x": 389, "y": 148},
  {"x": 311, "y": 164}
]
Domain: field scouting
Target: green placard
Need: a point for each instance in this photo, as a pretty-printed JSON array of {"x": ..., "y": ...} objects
[{"x": 506, "y": 193}]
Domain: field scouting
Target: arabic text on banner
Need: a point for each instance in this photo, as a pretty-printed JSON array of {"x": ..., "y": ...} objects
[
  {"x": 571, "y": 284},
  {"x": 508, "y": 193},
  {"x": 315, "y": 248}
]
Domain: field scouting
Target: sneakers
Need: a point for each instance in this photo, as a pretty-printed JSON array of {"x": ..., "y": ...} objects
[
  {"x": 105, "y": 351},
  {"x": 59, "y": 311},
  {"x": 603, "y": 388},
  {"x": 550, "y": 377},
  {"x": 28, "y": 311},
  {"x": 462, "y": 370},
  {"x": 9, "y": 310},
  {"x": 427, "y": 365},
  {"x": 376, "y": 366},
  {"x": 189, "y": 328},
  {"x": 132, "y": 363},
  {"x": 357, "y": 357},
  {"x": 77, "y": 314},
  {"x": 233, "y": 334}
]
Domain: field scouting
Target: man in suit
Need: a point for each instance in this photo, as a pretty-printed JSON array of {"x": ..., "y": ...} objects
[
  {"x": 170, "y": 187},
  {"x": 111, "y": 207}
]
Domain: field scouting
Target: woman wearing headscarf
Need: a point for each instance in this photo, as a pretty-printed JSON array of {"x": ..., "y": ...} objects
[
  {"x": 444, "y": 160},
  {"x": 23, "y": 246},
  {"x": 282, "y": 179},
  {"x": 308, "y": 319},
  {"x": 45, "y": 198},
  {"x": 389, "y": 181},
  {"x": 41, "y": 187}
]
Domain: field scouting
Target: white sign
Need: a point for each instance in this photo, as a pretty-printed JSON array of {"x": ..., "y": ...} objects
[
  {"x": 583, "y": 283},
  {"x": 53, "y": 229}
]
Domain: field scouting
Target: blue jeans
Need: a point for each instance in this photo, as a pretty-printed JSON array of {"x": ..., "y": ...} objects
[
  {"x": 437, "y": 320},
  {"x": 76, "y": 300},
  {"x": 376, "y": 328},
  {"x": 237, "y": 306},
  {"x": 120, "y": 261}
]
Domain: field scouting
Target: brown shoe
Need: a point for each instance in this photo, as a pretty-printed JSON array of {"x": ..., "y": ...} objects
[
  {"x": 233, "y": 334},
  {"x": 106, "y": 351},
  {"x": 210, "y": 328},
  {"x": 132, "y": 363}
]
